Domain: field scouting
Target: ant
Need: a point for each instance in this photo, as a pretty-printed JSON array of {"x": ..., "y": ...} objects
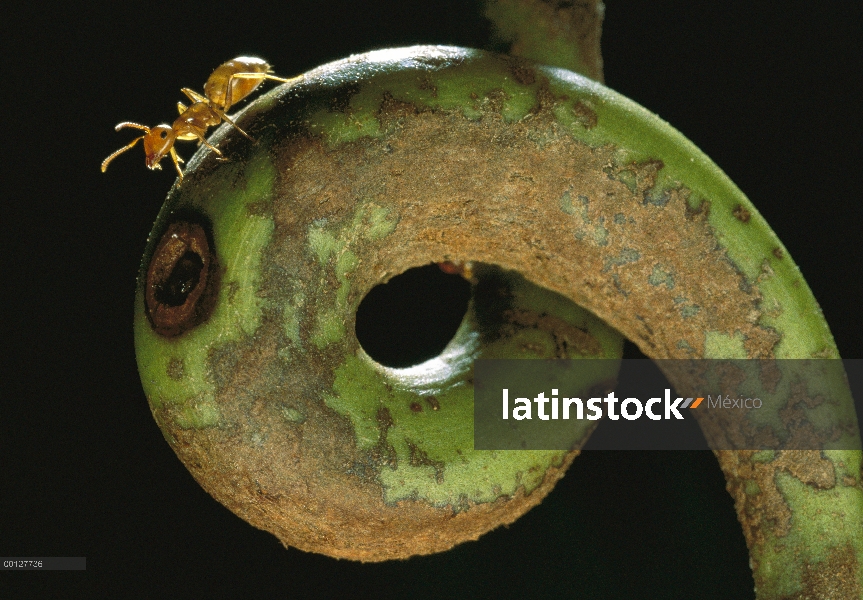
[{"x": 228, "y": 84}]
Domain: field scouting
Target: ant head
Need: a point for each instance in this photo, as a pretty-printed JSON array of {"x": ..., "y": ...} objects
[{"x": 157, "y": 143}]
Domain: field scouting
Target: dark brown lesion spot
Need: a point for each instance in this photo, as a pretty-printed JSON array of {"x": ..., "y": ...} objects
[
  {"x": 521, "y": 69},
  {"x": 416, "y": 407},
  {"x": 741, "y": 214},
  {"x": 182, "y": 280},
  {"x": 426, "y": 84},
  {"x": 639, "y": 177},
  {"x": 433, "y": 402},
  {"x": 259, "y": 209},
  {"x": 584, "y": 115},
  {"x": 493, "y": 101},
  {"x": 778, "y": 253},
  {"x": 523, "y": 73}
]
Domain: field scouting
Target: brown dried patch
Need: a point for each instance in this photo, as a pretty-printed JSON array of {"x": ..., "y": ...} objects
[
  {"x": 764, "y": 345},
  {"x": 340, "y": 101},
  {"x": 732, "y": 428},
  {"x": 834, "y": 579},
  {"x": 438, "y": 62},
  {"x": 493, "y": 101},
  {"x": 770, "y": 375},
  {"x": 384, "y": 454},
  {"x": 545, "y": 102},
  {"x": 639, "y": 178},
  {"x": 585, "y": 116},
  {"x": 336, "y": 511},
  {"x": 778, "y": 253},
  {"x": 392, "y": 112},
  {"x": 522, "y": 71},
  {"x": 741, "y": 214},
  {"x": 702, "y": 210}
]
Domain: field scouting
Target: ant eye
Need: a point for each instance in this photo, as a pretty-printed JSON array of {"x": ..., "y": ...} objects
[
  {"x": 182, "y": 280},
  {"x": 163, "y": 135}
]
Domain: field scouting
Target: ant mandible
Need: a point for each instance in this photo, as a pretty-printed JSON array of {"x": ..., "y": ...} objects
[{"x": 229, "y": 83}]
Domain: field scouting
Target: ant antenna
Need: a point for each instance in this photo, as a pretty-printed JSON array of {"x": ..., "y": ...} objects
[{"x": 120, "y": 126}]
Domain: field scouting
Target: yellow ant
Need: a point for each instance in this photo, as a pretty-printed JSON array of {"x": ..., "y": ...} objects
[{"x": 229, "y": 83}]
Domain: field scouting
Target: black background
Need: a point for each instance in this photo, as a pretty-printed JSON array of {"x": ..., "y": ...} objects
[{"x": 771, "y": 91}]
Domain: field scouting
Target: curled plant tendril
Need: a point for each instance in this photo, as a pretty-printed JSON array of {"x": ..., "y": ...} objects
[{"x": 584, "y": 216}]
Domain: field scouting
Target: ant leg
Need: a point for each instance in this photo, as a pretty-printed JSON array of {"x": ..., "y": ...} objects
[
  {"x": 228, "y": 119},
  {"x": 229, "y": 90},
  {"x": 210, "y": 146},
  {"x": 261, "y": 76},
  {"x": 267, "y": 76},
  {"x": 177, "y": 160},
  {"x": 194, "y": 96},
  {"x": 119, "y": 152}
]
